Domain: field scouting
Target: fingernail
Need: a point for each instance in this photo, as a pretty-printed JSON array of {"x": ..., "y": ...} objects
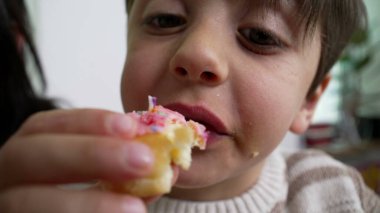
[
  {"x": 120, "y": 124},
  {"x": 139, "y": 158}
]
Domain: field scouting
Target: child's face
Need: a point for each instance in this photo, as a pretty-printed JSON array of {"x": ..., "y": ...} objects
[{"x": 239, "y": 68}]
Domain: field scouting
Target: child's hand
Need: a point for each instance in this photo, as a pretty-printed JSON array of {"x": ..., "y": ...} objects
[{"x": 67, "y": 146}]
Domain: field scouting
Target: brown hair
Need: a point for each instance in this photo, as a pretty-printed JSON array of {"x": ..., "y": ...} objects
[{"x": 337, "y": 19}]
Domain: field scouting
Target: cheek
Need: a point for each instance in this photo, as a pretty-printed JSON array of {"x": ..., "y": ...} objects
[
  {"x": 137, "y": 79},
  {"x": 145, "y": 66},
  {"x": 267, "y": 108}
]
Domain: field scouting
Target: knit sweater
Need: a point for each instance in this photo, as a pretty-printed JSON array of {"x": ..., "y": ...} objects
[{"x": 303, "y": 181}]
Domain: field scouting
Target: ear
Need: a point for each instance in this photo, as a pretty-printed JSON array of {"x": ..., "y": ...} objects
[
  {"x": 20, "y": 41},
  {"x": 303, "y": 119},
  {"x": 18, "y": 36}
]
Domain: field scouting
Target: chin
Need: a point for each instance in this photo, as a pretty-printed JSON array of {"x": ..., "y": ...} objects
[
  {"x": 195, "y": 177},
  {"x": 193, "y": 181},
  {"x": 205, "y": 170}
]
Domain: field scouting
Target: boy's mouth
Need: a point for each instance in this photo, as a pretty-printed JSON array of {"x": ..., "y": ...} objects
[{"x": 201, "y": 115}]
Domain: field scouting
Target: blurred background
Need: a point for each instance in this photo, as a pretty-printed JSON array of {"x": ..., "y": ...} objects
[{"x": 82, "y": 46}]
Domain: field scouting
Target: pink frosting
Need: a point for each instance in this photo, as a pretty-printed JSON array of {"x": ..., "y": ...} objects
[{"x": 157, "y": 118}]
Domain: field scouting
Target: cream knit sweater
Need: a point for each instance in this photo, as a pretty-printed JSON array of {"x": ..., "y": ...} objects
[{"x": 305, "y": 181}]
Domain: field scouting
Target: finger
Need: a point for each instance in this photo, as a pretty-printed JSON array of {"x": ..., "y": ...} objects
[
  {"x": 72, "y": 158},
  {"x": 50, "y": 199},
  {"x": 81, "y": 121}
]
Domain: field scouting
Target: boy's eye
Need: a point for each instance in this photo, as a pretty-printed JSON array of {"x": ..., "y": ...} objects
[
  {"x": 165, "y": 21},
  {"x": 259, "y": 40}
]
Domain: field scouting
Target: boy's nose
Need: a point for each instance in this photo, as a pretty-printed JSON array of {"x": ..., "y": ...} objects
[{"x": 199, "y": 58}]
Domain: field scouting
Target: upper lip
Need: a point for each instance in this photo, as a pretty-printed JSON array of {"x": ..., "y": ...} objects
[{"x": 201, "y": 115}]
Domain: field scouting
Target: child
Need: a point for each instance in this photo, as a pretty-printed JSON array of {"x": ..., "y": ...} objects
[{"x": 249, "y": 70}]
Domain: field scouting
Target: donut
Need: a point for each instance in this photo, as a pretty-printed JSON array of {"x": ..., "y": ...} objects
[{"x": 171, "y": 139}]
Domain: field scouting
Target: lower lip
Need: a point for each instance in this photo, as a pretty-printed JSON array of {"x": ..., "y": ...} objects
[{"x": 213, "y": 138}]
